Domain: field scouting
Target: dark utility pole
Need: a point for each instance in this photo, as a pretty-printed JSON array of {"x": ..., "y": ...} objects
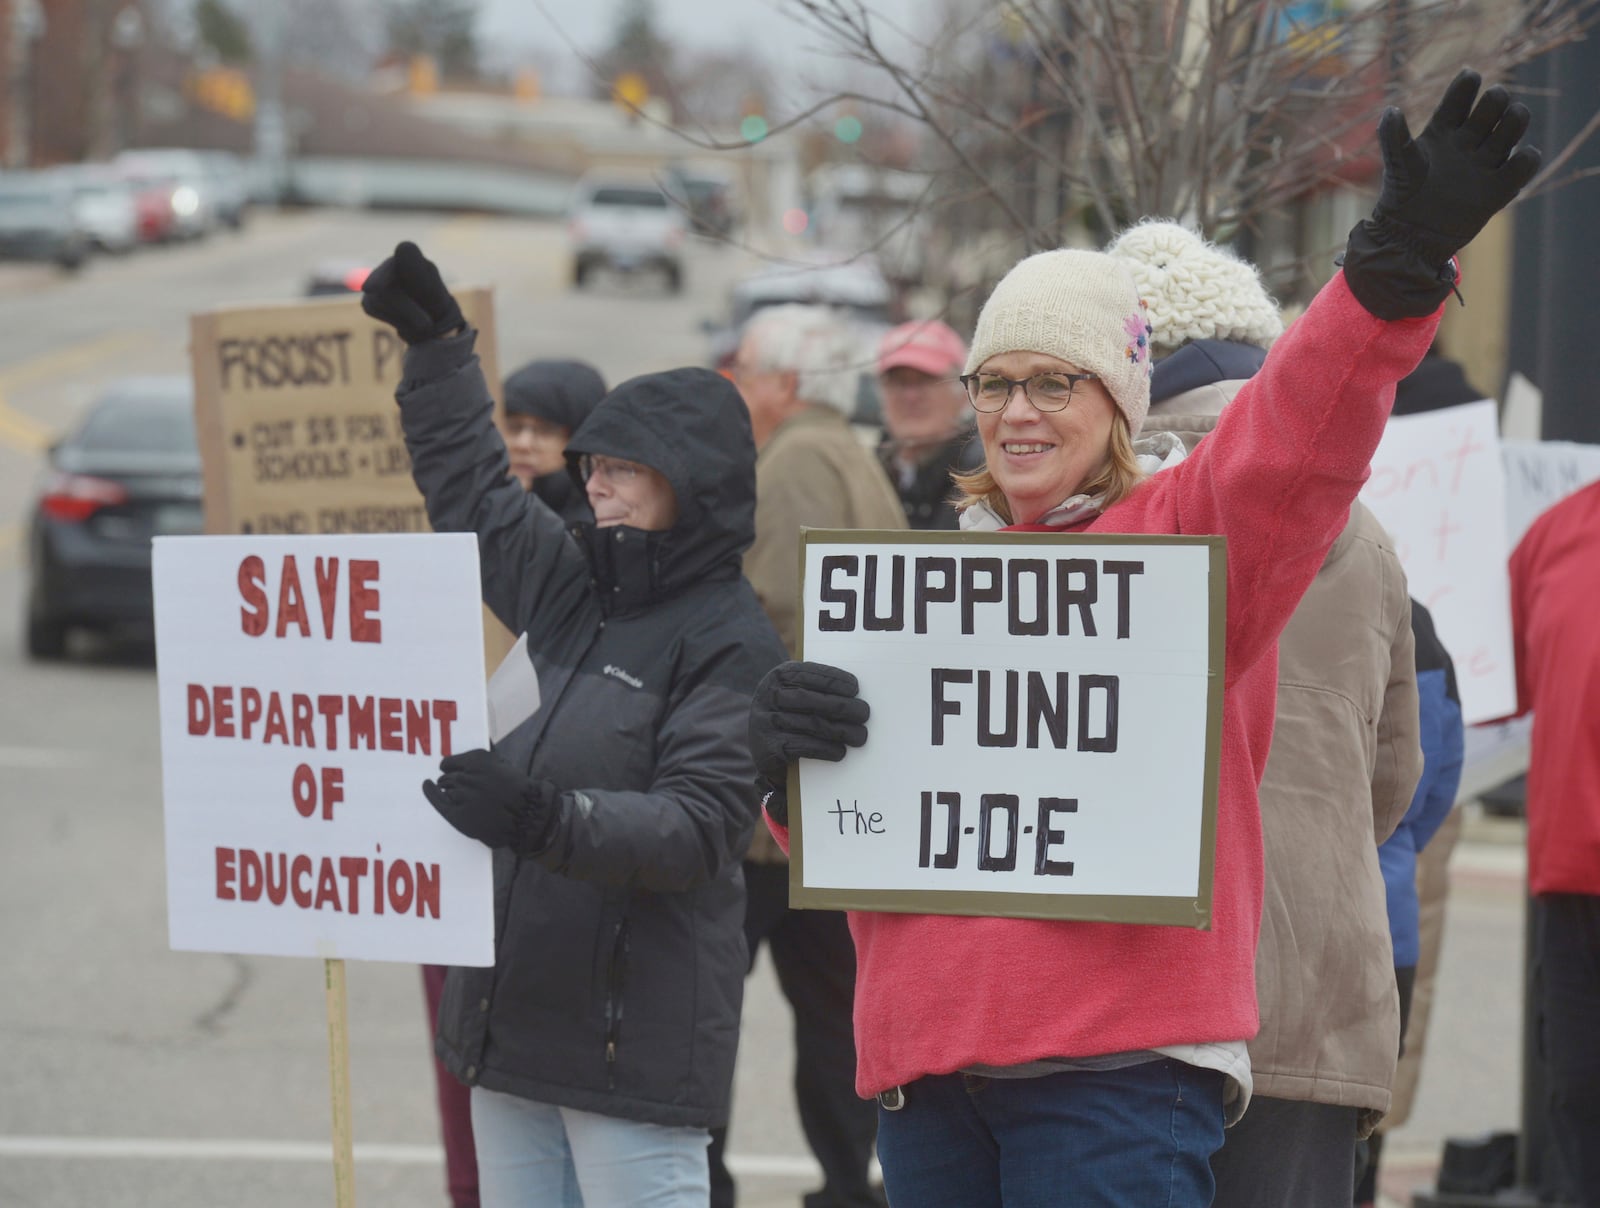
[{"x": 1555, "y": 303}]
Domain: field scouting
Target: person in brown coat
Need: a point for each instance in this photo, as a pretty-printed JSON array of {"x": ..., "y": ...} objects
[
  {"x": 797, "y": 368},
  {"x": 1344, "y": 763}
]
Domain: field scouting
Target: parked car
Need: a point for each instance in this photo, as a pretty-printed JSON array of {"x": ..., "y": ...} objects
[
  {"x": 856, "y": 207},
  {"x": 627, "y": 227},
  {"x": 337, "y": 277},
  {"x": 152, "y": 201},
  {"x": 707, "y": 199},
  {"x": 130, "y": 472},
  {"x": 37, "y": 220},
  {"x": 105, "y": 206},
  {"x": 230, "y": 187},
  {"x": 854, "y": 289},
  {"x": 193, "y": 193}
]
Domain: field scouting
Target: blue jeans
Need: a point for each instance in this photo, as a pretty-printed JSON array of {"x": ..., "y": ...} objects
[
  {"x": 1142, "y": 1135},
  {"x": 533, "y": 1155}
]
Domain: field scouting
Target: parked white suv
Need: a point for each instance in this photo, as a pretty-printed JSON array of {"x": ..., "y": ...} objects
[{"x": 627, "y": 227}]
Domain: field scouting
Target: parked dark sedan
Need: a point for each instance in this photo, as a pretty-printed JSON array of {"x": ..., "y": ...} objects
[{"x": 130, "y": 472}]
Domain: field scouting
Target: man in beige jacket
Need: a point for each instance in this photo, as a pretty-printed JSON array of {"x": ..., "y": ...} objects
[
  {"x": 1345, "y": 761},
  {"x": 798, "y": 370}
]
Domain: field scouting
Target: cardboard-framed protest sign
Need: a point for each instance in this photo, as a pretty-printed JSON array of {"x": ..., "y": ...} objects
[
  {"x": 307, "y": 687},
  {"x": 1046, "y": 725},
  {"x": 296, "y": 418},
  {"x": 1438, "y": 486}
]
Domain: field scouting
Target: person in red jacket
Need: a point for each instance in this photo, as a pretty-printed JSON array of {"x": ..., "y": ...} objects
[
  {"x": 1019, "y": 1061},
  {"x": 1555, "y": 579}
]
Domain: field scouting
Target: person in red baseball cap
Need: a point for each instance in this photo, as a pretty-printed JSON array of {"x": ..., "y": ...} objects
[{"x": 927, "y": 420}]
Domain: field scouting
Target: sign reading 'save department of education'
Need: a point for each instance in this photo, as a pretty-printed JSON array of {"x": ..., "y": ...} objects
[
  {"x": 308, "y": 685},
  {"x": 1045, "y": 732}
]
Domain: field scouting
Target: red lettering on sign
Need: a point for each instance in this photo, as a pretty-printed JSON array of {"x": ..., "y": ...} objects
[
  {"x": 353, "y": 869},
  {"x": 428, "y": 889},
  {"x": 275, "y": 721},
  {"x": 252, "y": 590},
  {"x": 222, "y": 708},
  {"x": 444, "y": 712},
  {"x": 225, "y": 874},
  {"x": 389, "y": 724},
  {"x": 327, "y": 572},
  {"x": 249, "y": 710},
  {"x": 199, "y": 710},
  {"x": 364, "y": 623},
  {"x": 298, "y": 871},
  {"x": 300, "y": 710},
  {"x": 327, "y": 885},
  {"x": 291, "y": 600}
]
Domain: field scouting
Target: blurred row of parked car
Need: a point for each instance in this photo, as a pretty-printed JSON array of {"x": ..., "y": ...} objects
[{"x": 149, "y": 196}]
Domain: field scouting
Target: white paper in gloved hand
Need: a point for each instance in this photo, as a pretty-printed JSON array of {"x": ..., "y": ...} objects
[{"x": 513, "y": 692}]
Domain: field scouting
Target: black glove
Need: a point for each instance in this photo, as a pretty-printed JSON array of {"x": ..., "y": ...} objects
[
  {"x": 487, "y": 799},
  {"x": 802, "y": 711},
  {"x": 1438, "y": 192},
  {"x": 407, "y": 292}
]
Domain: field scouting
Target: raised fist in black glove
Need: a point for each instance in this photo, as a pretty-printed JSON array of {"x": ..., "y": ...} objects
[
  {"x": 1439, "y": 189},
  {"x": 407, "y": 292},
  {"x": 487, "y": 799},
  {"x": 802, "y": 711}
]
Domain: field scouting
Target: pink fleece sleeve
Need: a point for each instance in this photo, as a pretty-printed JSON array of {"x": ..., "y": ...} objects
[{"x": 1289, "y": 455}]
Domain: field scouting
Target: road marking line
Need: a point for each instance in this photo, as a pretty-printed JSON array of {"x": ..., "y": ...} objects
[
  {"x": 63, "y": 360},
  {"x": 32, "y": 435},
  {"x": 154, "y": 1149},
  {"x": 22, "y": 431}
]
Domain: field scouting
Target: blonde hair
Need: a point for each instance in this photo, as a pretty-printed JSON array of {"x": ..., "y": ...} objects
[{"x": 1114, "y": 481}]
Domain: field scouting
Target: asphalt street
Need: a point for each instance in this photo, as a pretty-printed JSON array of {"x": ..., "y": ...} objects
[{"x": 131, "y": 1075}]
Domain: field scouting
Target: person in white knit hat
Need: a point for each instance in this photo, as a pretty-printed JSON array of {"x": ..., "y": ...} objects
[
  {"x": 1344, "y": 763},
  {"x": 1059, "y": 373},
  {"x": 1018, "y": 1062}
]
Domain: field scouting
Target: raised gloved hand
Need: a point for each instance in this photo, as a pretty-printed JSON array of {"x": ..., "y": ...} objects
[
  {"x": 487, "y": 799},
  {"x": 802, "y": 711},
  {"x": 1439, "y": 190},
  {"x": 407, "y": 292}
]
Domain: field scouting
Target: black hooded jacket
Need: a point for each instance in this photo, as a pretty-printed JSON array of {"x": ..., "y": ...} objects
[
  {"x": 620, "y": 950},
  {"x": 564, "y": 393}
]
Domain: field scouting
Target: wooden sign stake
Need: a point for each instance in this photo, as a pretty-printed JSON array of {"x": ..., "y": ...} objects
[{"x": 344, "y": 1166}]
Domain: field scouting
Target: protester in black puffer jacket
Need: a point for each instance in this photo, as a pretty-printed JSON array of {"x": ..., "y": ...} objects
[{"x": 602, "y": 1042}]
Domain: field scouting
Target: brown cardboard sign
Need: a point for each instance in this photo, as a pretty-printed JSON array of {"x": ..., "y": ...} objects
[
  {"x": 1046, "y": 725},
  {"x": 295, "y": 411}
]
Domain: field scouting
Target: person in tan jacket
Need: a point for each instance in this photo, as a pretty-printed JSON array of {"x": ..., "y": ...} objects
[
  {"x": 1344, "y": 763},
  {"x": 798, "y": 370}
]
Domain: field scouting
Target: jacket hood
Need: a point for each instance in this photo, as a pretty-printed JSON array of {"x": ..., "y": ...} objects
[
  {"x": 692, "y": 427},
  {"x": 562, "y": 392},
  {"x": 1202, "y": 363}
]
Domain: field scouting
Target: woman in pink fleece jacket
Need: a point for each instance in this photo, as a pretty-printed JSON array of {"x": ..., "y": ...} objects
[{"x": 1021, "y": 1062}]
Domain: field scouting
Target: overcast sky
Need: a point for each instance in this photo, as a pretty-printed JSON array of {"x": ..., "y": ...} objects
[{"x": 702, "y": 23}]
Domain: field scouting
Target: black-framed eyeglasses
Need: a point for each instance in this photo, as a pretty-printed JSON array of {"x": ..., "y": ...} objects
[
  {"x": 608, "y": 469},
  {"x": 1046, "y": 391}
]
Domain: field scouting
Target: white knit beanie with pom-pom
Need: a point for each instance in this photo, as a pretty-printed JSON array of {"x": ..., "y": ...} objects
[{"x": 1195, "y": 290}]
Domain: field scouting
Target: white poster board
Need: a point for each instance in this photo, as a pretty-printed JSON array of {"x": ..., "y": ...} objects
[
  {"x": 1540, "y": 474},
  {"x": 308, "y": 685},
  {"x": 1046, "y": 723},
  {"x": 1438, "y": 487}
]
